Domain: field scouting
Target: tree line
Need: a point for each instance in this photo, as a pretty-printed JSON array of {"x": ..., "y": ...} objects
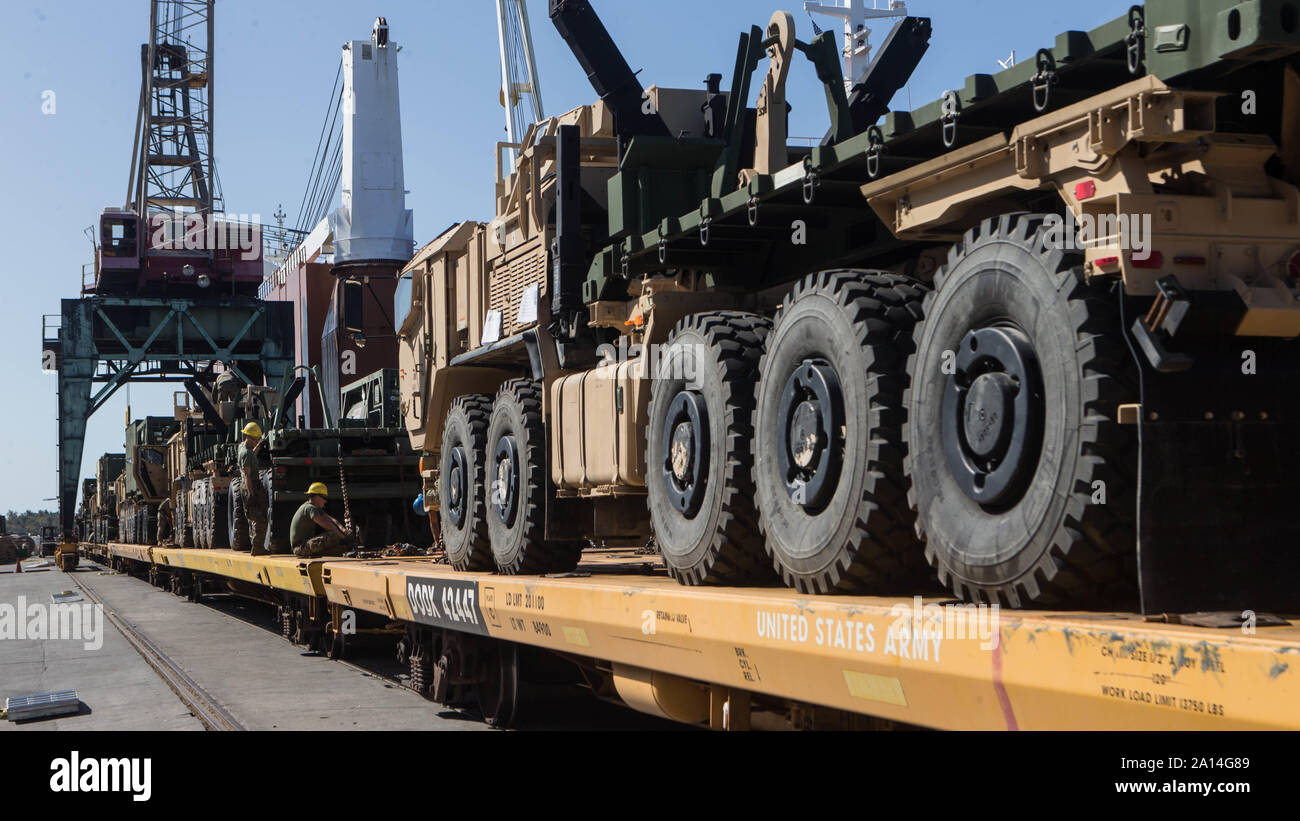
[{"x": 30, "y": 521}]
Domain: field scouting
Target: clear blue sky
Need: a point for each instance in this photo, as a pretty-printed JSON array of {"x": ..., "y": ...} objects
[{"x": 275, "y": 62}]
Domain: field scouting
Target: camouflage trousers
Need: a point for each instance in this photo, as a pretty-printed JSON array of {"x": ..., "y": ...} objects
[
  {"x": 256, "y": 514},
  {"x": 326, "y": 544}
]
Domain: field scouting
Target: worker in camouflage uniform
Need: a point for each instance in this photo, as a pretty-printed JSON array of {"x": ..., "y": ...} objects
[
  {"x": 310, "y": 518},
  {"x": 252, "y": 492}
]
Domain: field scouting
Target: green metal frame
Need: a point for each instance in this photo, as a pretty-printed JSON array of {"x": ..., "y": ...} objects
[{"x": 116, "y": 340}]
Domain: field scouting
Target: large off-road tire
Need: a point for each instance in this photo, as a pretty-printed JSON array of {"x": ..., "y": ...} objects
[
  {"x": 1022, "y": 478},
  {"x": 200, "y": 510},
  {"x": 699, "y": 466},
  {"x": 517, "y": 485},
  {"x": 461, "y": 480},
  {"x": 184, "y": 528},
  {"x": 214, "y": 522},
  {"x": 828, "y": 449}
]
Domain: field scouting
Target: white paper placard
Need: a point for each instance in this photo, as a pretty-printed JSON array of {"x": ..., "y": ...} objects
[
  {"x": 528, "y": 305},
  {"x": 491, "y": 327}
]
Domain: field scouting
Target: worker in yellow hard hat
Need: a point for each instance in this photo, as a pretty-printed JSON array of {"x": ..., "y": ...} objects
[
  {"x": 310, "y": 517},
  {"x": 248, "y": 495}
]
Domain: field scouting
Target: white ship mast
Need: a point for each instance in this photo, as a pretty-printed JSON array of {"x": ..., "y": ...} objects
[{"x": 857, "y": 37}]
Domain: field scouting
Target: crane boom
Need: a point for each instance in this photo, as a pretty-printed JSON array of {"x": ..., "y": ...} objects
[
  {"x": 518, "y": 69},
  {"x": 172, "y": 167}
]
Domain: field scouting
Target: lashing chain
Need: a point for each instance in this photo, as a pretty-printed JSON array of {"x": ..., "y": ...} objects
[{"x": 343, "y": 487}]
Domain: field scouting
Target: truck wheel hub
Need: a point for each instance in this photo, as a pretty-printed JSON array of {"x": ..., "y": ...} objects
[
  {"x": 810, "y": 421},
  {"x": 682, "y": 452},
  {"x": 457, "y": 477},
  {"x": 684, "y": 471},
  {"x": 992, "y": 414},
  {"x": 506, "y": 479}
]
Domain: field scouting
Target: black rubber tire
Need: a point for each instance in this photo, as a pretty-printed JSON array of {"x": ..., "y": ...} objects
[
  {"x": 184, "y": 531},
  {"x": 236, "y": 517},
  {"x": 720, "y": 542},
  {"x": 520, "y": 545},
  {"x": 198, "y": 510},
  {"x": 860, "y": 539},
  {"x": 467, "y": 545},
  {"x": 217, "y": 537},
  {"x": 1050, "y": 545},
  {"x": 204, "y": 523},
  {"x": 214, "y": 522}
]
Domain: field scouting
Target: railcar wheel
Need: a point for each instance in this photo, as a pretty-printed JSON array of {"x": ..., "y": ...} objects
[
  {"x": 828, "y": 445},
  {"x": 517, "y": 485},
  {"x": 498, "y": 695},
  {"x": 460, "y": 484},
  {"x": 1019, "y": 369},
  {"x": 699, "y": 467},
  {"x": 336, "y": 646}
]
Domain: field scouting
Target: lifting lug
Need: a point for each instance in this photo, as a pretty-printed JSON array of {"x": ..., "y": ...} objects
[{"x": 752, "y": 211}]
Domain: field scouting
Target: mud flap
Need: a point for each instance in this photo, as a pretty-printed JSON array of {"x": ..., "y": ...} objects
[{"x": 1219, "y": 479}]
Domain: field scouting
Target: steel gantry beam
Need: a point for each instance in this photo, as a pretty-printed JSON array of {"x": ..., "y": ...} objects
[{"x": 111, "y": 341}]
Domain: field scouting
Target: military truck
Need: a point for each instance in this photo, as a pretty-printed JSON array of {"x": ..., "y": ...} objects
[
  {"x": 201, "y": 454},
  {"x": 86, "y": 509},
  {"x": 182, "y": 485},
  {"x": 145, "y": 481},
  {"x": 365, "y": 460},
  {"x": 1039, "y": 335},
  {"x": 104, "y": 511}
]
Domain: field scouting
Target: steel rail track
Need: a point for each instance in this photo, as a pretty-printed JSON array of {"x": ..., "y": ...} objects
[{"x": 204, "y": 707}]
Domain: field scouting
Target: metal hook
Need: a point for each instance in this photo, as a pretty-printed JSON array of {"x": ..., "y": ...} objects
[
  {"x": 1044, "y": 79},
  {"x": 951, "y": 111},
  {"x": 875, "y": 147},
  {"x": 810, "y": 184},
  {"x": 1136, "y": 38}
]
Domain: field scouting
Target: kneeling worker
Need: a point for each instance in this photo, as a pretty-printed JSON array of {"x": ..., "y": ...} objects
[{"x": 312, "y": 516}]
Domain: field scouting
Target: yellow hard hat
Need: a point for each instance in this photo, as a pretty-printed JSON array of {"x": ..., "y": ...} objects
[
  {"x": 252, "y": 429},
  {"x": 318, "y": 489}
]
